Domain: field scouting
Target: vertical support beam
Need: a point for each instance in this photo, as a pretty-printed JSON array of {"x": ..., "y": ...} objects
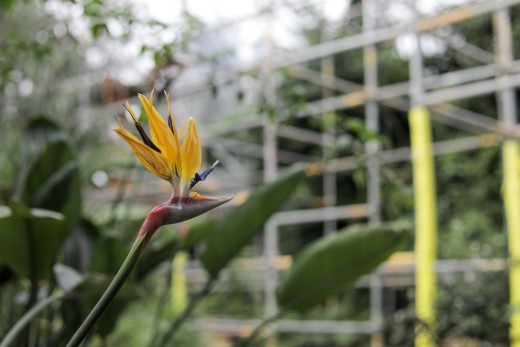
[
  {"x": 372, "y": 164},
  {"x": 371, "y": 113},
  {"x": 425, "y": 225},
  {"x": 329, "y": 121},
  {"x": 425, "y": 201},
  {"x": 510, "y": 157},
  {"x": 270, "y": 163},
  {"x": 271, "y": 228}
]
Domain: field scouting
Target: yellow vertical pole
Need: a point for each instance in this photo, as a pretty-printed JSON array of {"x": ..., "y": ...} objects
[
  {"x": 179, "y": 291},
  {"x": 512, "y": 207},
  {"x": 425, "y": 224}
]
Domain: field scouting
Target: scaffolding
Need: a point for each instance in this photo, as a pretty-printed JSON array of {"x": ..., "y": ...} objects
[{"x": 498, "y": 73}]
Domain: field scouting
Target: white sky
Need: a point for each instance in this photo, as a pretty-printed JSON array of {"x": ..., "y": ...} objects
[{"x": 248, "y": 39}]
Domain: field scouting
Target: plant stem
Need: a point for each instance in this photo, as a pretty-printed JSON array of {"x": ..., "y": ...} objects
[
  {"x": 114, "y": 287},
  {"x": 187, "y": 312},
  {"x": 27, "y": 317},
  {"x": 254, "y": 335}
]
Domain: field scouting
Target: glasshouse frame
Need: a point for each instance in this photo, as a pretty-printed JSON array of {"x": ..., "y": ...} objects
[{"x": 421, "y": 96}]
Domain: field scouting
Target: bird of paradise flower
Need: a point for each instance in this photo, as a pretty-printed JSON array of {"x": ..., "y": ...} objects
[{"x": 174, "y": 157}]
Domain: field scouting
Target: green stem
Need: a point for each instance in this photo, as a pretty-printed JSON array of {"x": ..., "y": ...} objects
[
  {"x": 254, "y": 335},
  {"x": 187, "y": 312},
  {"x": 109, "y": 294},
  {"x": 27, "y": 317}
]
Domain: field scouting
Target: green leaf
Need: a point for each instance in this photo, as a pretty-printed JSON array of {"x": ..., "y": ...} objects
[
  {"x": 39, "y": 132},
  {"x": 57, "y": 189},
  {"x": 333, "y": 264},
  {"x": 238, "y": 227},
  {"x": 30, "y": 240},
  {"x": 54, "y": 183},
  {"x": 51, "y": 179},
  {"x": 52, "y": 157}
]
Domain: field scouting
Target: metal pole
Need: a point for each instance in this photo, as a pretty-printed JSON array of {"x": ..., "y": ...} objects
[
  {"x": 372, "y": 163},
  {"x": 371, "y": 114},
  {"x": 510, "y": 157},
  {"x": 425, "y": 202},
  {"x": 270, "y": 171},
  {"x": 329, "y": 177}
]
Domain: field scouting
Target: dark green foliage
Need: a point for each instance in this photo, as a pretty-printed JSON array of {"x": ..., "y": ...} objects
[
  {"x": 470, "y": 206},
  {"x": 33, "y": 231},
  {"x": 30, "y": 240},
  {"x": 475, "y": 305},
  {"x": 472, "y": 307},
  {"x": 49, "y": 176}
]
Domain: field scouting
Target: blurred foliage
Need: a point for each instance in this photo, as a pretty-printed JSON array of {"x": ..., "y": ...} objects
[
  {"x": 473, "y": 310},
  {"x": 475, "y": 306}
]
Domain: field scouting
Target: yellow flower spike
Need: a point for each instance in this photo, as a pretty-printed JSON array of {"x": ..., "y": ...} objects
[
  {"x": 190, "y": 151},
  {"x": 161, "y": 133},
  {"x": 151, "y": 159}
]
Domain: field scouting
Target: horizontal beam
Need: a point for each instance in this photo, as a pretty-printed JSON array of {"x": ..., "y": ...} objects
[
  {"x": 460, "y": 45},
  {"x": 472, "y": 89},
  {"x": 404, "y": 153},
  {"x": 255, "y": 150},
  {"x": 239, "y": 326},
  {"x": 314, "y": 215},
  {"x": 305, "y": 135}
]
